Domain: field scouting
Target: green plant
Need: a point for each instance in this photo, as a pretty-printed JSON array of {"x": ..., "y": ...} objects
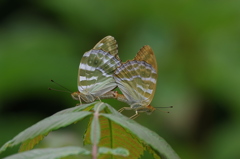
[{"x": 111, "y": 135}]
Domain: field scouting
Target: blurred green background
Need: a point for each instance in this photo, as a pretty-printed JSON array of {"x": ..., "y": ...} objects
[{"x": 196, "y": 43}]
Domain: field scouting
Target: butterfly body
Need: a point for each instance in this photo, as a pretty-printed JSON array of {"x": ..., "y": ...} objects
[
  {"x": 95, "y": 75},
  {"x": 137, "y": 80}
]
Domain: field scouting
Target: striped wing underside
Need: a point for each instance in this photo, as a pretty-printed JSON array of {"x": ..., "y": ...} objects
[
  {"x": 95, "y": 76},
  {"x": 137, "y": 78}
]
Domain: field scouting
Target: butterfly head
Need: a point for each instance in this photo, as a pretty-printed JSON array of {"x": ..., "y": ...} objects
[
  {"x": 150, "y": 109},
  {"x": 147, "y": 109},
  {"x": 75, "y": 95},
  {"x": 140, "y": 108},
  {"x": 88, "y": 98}
]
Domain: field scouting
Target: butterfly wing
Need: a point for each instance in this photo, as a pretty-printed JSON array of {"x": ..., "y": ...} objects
[
  {"x": 137, "y": 79},
  {"x": 95, "y": 76},
  {"x": 108, "y": 44},
  {"x": 146, "y": 54}
]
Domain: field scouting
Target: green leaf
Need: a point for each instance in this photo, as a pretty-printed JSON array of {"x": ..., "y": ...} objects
[
  {"x": 99, "y": 106},
  {"x": 53, "y": 122},
  {"x": 85, "y": 107},
  {"x": 114, "y": 131},
  {"x": 148, "y": 137},
  {"x": 114, "y": 135},
  {"x": 95, "y": 126},
  {"x": 50, "y": 153},
  {"x": 29, "y": 144},
  {"x": 117, "y": 151}
]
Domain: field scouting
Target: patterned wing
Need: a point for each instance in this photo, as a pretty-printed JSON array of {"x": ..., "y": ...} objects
[
  {"x": 108, "y": 44},
  {"x": 146, "y": 54},
  {"x": 95, "y": 76},
  {"x": 137, "y": 79}
]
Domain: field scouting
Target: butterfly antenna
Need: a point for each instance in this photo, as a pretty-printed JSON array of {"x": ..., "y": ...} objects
[
  {"x": 58, "y": 90},
  {"x": 60, "y": 86},
  {"x": 163, "y": 110}
]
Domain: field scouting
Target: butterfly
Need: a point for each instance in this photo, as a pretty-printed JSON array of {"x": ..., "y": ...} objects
[
  {"x": 137, "y": 81},
  {"x": 95, "y": 74}
]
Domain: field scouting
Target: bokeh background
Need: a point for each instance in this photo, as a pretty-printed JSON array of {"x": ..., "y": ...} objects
[{"x": 197, "y": 46}]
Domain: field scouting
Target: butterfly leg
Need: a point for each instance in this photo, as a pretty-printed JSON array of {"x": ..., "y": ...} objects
[
  {"x": 99, "y": 99},
  {"x": 135, "y": 115},
  {"x": 124, "y": 108},
  {"x": 80, "y": 100}
]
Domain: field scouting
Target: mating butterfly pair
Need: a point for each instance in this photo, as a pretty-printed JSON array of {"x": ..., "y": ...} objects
[{"x": 101, "y": 71}]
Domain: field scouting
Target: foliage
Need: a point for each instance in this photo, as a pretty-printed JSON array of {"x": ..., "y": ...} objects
[{"x": 109, "y": 132}]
